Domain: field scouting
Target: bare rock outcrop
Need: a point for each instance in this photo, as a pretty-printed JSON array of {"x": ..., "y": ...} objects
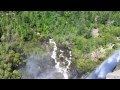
[
  {"x": 95, "y": 32},
  {"x": 98, "y": 53},
  {"x": 113, "y": 75}
]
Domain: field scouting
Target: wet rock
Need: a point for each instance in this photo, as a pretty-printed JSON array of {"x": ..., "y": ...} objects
[{"x": 58, "y": 76}]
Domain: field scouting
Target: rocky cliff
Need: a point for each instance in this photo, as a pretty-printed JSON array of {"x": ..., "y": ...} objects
[{"x": 113, "y": 75}]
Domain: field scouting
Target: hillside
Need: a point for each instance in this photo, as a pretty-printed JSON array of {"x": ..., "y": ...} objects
[{"x": 90, "y": 35}]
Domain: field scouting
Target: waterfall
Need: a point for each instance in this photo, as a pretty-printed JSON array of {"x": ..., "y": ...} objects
[
  {"x": 106, "y": 67},
  {"x": 47, "y": 65},
  {"x": 61, "y": 69}
]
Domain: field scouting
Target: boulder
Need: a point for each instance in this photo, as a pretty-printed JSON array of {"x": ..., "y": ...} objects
[
  {"x": 113, "y": 75},
  {"x": 95, "y": 32}
]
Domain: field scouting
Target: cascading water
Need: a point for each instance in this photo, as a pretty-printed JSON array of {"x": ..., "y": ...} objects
[
  {"x": 63, "y": 70},
  {"x": 106, "y": 67},
  {"x": 47, "y": 66}
]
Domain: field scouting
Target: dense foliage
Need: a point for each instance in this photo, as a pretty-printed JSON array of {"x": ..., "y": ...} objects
[{"x": 22, "y": 32}]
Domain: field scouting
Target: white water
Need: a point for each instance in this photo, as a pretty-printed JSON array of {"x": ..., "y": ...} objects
[
  {"x": 61, "y": 69},
  {"x": 41, "y": 66}
]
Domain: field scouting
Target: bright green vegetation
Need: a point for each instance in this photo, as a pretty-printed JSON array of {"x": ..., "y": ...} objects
[{"x": 18, "y": 36}]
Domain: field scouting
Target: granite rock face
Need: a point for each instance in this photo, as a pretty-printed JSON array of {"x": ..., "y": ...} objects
[
  {"x": 117, "y": 67},
  {"x": 113, "y": 75}
]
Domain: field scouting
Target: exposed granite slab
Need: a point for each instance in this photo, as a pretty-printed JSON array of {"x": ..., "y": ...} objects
[{"x": 113, "y": 75}]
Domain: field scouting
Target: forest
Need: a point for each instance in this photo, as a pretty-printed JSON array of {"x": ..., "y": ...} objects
[{"x": 86, "y": 33}]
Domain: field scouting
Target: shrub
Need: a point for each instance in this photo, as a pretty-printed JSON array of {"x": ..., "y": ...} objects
[{"x": 85, "y": 66}]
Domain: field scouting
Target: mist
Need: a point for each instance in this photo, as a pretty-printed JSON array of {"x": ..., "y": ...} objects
[
  {"x": 47, "y": 65},
  {"x": 40, "y": 67}
]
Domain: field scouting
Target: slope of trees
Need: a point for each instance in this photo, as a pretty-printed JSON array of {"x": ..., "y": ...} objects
[{"x": 21, "y": 32}]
